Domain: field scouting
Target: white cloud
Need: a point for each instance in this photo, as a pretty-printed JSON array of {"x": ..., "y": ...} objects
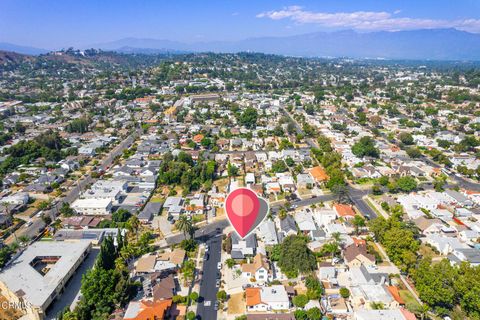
[{"x": 367, "y": 20}]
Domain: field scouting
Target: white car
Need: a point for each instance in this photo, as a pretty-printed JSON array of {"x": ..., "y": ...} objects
[
  {"x": 206, "y": 248},
  {"x": 219, "y": 265}
]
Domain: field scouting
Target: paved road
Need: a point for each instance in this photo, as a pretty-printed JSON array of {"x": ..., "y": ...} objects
[
  {"x": 311, "y": 142},
  {"x": 202, "y": 234},
  {"x": 208, "y": 289},
  {"x": 460, "y": 181},
  {"x": 356, "y": 196}
]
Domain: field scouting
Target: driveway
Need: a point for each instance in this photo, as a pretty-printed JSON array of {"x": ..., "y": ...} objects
[{"x": 72, "y": 288}]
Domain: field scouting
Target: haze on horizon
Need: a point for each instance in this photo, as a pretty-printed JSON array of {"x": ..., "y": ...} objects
[{"x": 59, "y": 24}]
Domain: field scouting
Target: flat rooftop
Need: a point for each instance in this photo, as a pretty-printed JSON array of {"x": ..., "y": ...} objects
[{"x": 38, "y": 271}]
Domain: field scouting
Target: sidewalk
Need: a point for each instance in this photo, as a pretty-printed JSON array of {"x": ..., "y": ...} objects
[
  {"x": 372, "y": 203},
  {"x": 405, "y": 282}
]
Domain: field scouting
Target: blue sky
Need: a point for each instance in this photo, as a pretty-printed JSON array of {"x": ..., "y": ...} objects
[{"x": 62, "y": 23}]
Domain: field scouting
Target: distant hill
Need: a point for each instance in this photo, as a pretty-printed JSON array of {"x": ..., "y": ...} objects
[
  {"x": 12, "y": 57},
  {"x": 4, "y": 46},
  {"x": 431, "y": 44},
  {"x": 149, "y": 50},
  {"x": 428, "y": 44}
]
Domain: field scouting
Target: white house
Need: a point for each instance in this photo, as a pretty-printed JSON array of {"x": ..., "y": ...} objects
[
  {"x": 304, "y": 220},
  {"x": 259, "y": 269},
  {"x": 274, "y": 298}
]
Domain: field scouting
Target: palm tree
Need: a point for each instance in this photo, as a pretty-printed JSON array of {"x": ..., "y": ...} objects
[
  {"x": 332, "y": 248},
  {"x": 424, "y": 309},
  {"x": 358, "y": 222},
  {"x": 185, "y": 225},
  {"x": 5, "y": 205},
  {"x": 133, "y": 224},
  {"x": 24, "y": 239},
  {"x": 337, "y": 237}
]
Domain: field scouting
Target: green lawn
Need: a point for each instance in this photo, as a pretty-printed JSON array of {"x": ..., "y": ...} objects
[{"x": 409, "y": 299}]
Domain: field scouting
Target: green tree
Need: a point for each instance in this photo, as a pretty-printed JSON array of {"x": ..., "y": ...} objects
[
  {"x": 121, "y": 215},
  {"x": 5, "y": 255},
  {"x": 365, "y": 147},
  {"x": 248, "y": 118},
  {"x": 405, "y": 138},
  {"x": 232, "y": 170},
  {"x": 107, "y": 255},
  {"x": 230, "y": 263},
  {"x": 436, "y": 284},
  {"x": 222, "y": 295},
  {"x": 296, "y": 257},
  {"x": 414, "y": 152},
  {"x": 314, "y": 288},
  {"x": 184, "y": 224},
  {"x": 279, "y": 166},
  {"x": 407, "y": 183},
  {"x": 66, "y": 210},
  {"x": 194, "y": 296},
  {"x": 300, "y": 300},
  {"x": 191, "y": 315},
  {"x": 344, "y": 292},
  {"x": 314, "y": 314},
  {"x": 300, "y": 315},
  {"x": 358, "y": 222}
]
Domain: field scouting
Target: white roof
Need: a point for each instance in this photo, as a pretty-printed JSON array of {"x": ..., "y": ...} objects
[
  {"x": 268, "y": 232},
  {"x": 394, "y": 314},
  {"x": 375, "y": 293},
  {"x": 20, "y": 275},
  {"x": 275, "y": 293},
  {"x": 305, "y": 221},
  {"x": 91, "y": 203}
]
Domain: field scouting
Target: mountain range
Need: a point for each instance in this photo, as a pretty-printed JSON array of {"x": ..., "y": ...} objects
[{"x": 425, "y": 44}]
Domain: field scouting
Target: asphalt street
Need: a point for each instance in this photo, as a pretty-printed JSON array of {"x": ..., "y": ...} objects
[{"x": 208, "y": 288}]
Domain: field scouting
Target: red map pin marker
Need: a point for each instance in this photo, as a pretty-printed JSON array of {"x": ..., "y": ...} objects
[{"x": 245, "y": 210}]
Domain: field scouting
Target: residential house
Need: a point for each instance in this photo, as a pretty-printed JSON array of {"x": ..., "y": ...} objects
[
  {"x": 274, "y": 298},
  {"x": 344, "y": 211},
  {"x": 149, "y": 211},
  {"x": 259, "y": 269},
  {"x": 305, "y": 222},
  {"x": 356, "y": 255},
  {"x": 268, "y": 233},
  {"x": 288, "y": 226},
  {"x": 305, "y": 181},
  {"x": 174, "y": 206},
  {"x": 471, "y": 255},
  {"x": 318, "y": 174},
  {"x": 242, "y": 248},
  {"x": 147, "y": 309},
  {"x": 429, "y": 226}
]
